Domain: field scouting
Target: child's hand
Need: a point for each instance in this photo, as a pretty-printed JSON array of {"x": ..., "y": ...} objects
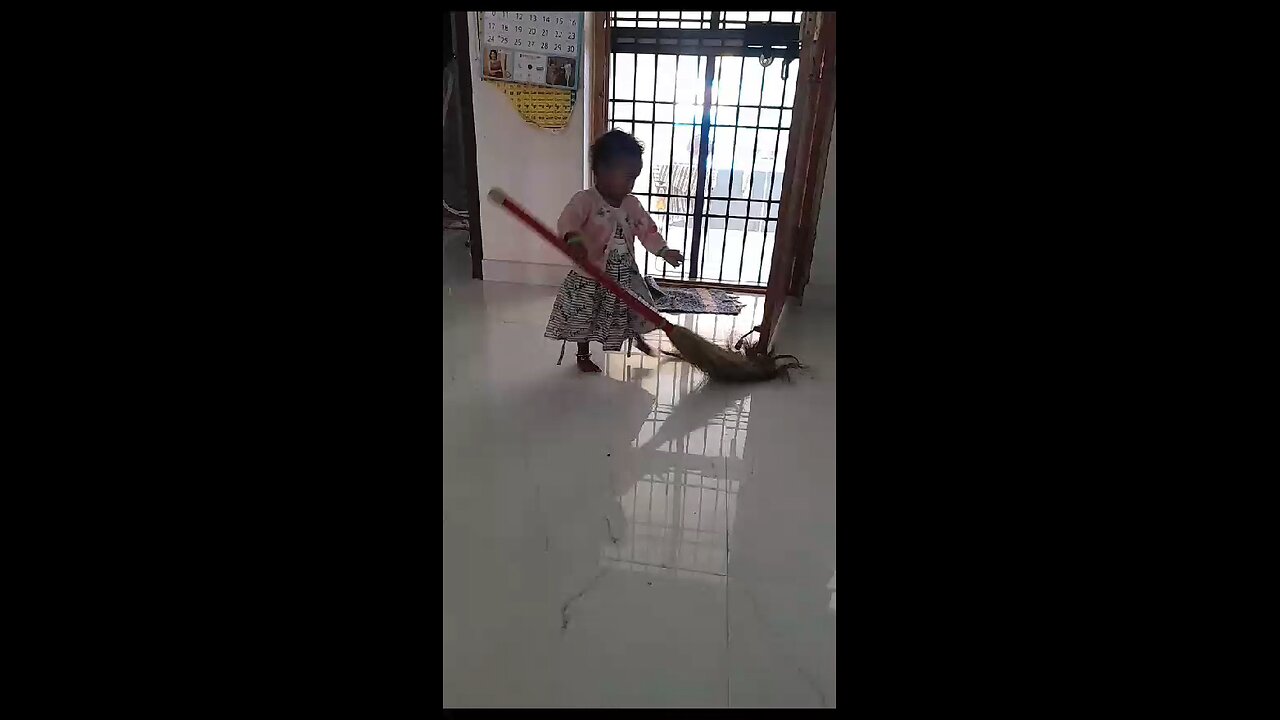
[
  {"x": 577, "y": 249},
  {"x": 673, "y": 257}
]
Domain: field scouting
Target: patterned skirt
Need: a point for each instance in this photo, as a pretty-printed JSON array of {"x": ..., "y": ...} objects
[{"x": 586, "y": 312}]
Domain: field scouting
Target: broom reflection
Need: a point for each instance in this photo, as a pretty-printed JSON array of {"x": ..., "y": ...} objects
[{"x": 677, "y": 486}]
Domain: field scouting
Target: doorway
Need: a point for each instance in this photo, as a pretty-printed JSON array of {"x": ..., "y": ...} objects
[{"x": 711, "y": 96}]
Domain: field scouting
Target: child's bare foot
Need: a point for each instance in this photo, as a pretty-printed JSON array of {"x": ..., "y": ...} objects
[
  {"x": 586, "y": 366},
  {"x": 644, "y": 347}
]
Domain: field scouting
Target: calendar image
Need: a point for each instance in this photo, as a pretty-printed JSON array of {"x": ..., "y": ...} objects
[
  {"x": 496, "y": 64},
  {"x": 560, "y": 72},
  {"x": 530, "y": 69},
  {"x": 537, "y": 48}
]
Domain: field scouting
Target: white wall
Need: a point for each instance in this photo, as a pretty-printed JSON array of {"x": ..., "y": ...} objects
[
  {"x": 821, "y": 290},
  {"x": 539, "y": 168}
]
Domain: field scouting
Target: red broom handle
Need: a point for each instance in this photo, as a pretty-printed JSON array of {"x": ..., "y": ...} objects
[{"x": 534, "y": 224}]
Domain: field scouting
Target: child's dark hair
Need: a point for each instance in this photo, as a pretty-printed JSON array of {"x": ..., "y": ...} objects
[{"x": 613, "y": 145}]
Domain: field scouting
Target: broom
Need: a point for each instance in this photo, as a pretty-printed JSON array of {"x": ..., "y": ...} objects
[{"x": 717, "y": 362}]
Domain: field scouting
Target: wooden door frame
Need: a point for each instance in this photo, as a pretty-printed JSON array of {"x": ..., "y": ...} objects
[
  {"x": 599, "y": 99},
  {"x": 462, "y": 55},
  {"x": 806, "y": 155},
  {"x": 815, "y": 178}
]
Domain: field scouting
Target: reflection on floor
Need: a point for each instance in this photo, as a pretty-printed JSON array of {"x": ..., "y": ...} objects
[
  {"x": 641, "y": 539},
  {"x": 680, "y": 507}
]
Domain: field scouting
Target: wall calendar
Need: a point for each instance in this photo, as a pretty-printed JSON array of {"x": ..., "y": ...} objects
[{"x": 532, "y": 48}]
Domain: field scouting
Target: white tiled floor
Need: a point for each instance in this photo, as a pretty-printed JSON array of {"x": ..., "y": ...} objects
[{"x": 637, "y": 539}]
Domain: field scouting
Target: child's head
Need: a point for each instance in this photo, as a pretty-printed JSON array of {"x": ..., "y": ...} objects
[
  {"x": 493, "y": 54},
  {"x": 616, "y": 160}
]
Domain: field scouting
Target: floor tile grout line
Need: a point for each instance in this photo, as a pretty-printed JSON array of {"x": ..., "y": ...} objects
[{"x": 728, "y": 675}]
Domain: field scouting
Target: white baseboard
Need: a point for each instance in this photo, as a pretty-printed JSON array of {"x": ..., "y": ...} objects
[{"x": 524, "y": 272}]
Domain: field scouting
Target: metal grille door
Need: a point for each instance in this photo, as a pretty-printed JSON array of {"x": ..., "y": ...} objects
[{"x": 710, "y": 95}]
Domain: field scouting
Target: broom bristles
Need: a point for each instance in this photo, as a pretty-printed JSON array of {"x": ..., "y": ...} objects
[{"x": 717, "y": 362}]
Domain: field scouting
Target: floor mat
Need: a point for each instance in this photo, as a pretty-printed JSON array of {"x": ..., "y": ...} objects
[{"x": 693, "y": 300}]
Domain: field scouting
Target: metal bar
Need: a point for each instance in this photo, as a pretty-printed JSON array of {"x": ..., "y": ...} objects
[
  {"x": 731, "y": 217},
  {"x": 757, "y": 200},
  {"x": 703, "y": 145},
  {"x": 773, "y": 174},
  {"x": 712, "y": 38},
  {"x": 613, "y": 86},
  {"x": 671, "y": 158},
  {"x": 703, "y": 225},
  {"x": 718, "y": 104},
  {"x": 688, "y": 219},
  {"x": 652, "y": 129},
  {"x": 754, "y": 34},
  {"x": 754, "y": 127},
  {"x": 684, "y": 197},
  {"x": 648, "y": 146},
  {"x": 744, "y": 217},
  {"x": 733, "y": 156},
  {"x": 752, "y": 185},
  {"x": 727, "y": 48},
  {"x": 743, "y": 127},
  {"x": 699, "y": 50}
]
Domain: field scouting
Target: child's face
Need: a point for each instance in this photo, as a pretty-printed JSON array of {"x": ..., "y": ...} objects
[{"x": 616, "y": 179}]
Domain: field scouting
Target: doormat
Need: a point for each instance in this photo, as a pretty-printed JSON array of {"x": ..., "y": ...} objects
[{"x": 693, "y": 300}]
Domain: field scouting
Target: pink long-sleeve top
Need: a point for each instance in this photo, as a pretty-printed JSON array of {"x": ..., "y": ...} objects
[{"x": 589, "y": 215}]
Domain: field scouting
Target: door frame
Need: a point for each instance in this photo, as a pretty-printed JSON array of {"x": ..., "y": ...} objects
[
  {"x": 807, "y": 151},
  {"x": 806, "y": 159},
  {"x": 462, "y": 56},
  {"x": 600, "y": 55},
  {"x": 746, "y": 39}
]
